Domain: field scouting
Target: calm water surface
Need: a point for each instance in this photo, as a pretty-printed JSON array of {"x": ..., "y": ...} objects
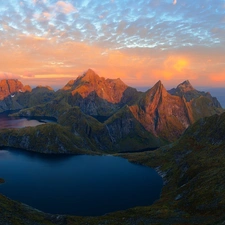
[
  {"x": 19, "y": 122},
  {"x": 78, "y": 185}
]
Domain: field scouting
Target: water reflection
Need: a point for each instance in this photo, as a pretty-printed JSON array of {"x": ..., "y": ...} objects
[{"x": 7, "y": 121}]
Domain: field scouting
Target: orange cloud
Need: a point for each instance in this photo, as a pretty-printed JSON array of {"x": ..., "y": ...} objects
[
  {"x": 181, "y": 64},
  {"x": 4, "y": 75},
  {"x": 39, "y": 60},
  {"x": 220, "y": 77},
  {"x": 46, "y": 62},
  {"x": 176, "y": 63},
  {"x": 173, "y": 67}
]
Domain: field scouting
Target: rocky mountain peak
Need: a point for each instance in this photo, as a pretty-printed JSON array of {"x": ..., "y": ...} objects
[
  {"x": 185, "y": 86},
  {"x": 182, "y": 89},
  {"x": 161, "y": 113},
  {"x": 89, "y": 76},
  {"x": 157, "y": 89},
  {"x": 159, "y": 86},
  {"x": 11, "y": 86},
  {"x": 108, "y": 89},
  {"x": 187, "y": 91}
]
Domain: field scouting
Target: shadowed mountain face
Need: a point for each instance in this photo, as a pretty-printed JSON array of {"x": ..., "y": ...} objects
[{"x": 132, "y": 120}]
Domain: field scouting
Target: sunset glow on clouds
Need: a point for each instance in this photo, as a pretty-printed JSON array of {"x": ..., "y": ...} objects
[{"x": 50, "y": 42}]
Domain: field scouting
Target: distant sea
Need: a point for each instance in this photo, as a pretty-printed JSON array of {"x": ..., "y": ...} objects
[{"x": 219, "y": 93}]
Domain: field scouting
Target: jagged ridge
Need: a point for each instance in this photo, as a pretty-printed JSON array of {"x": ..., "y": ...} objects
[{"x": 147, "y": 120}]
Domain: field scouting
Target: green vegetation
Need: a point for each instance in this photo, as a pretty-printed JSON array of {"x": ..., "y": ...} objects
[
  {"x": 128, "y": 134},
  {"x": 46, "y": 138},
  {"x": 53, "y": 108},
  {"x": 194, "y": 170},
  {"x": 92, "y": 132},
  {"x": 38, "y": 95},
  {"x": 203, "y": 107}
]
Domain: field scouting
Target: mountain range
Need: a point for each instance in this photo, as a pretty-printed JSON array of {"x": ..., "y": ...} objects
[
  {"x": 106, "y": 114},
  {"x": 98, "y": 115}
]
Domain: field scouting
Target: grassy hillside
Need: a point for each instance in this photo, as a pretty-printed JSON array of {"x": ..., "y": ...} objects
[{"x": 193, "y": 170}]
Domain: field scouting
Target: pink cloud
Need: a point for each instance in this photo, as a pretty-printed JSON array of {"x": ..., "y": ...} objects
[
  {"x": 28, "y": 75},
  {"x": 43, "y": 16},
  {"x": 65, "y": 7},
  {"x": 4, "y": 75}
]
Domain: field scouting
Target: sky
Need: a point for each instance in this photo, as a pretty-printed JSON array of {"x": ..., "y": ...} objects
[{"x": 49, "y": 42}]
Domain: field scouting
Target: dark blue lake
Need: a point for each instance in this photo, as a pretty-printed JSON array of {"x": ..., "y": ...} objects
[{"x": 78, "y": 185}]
